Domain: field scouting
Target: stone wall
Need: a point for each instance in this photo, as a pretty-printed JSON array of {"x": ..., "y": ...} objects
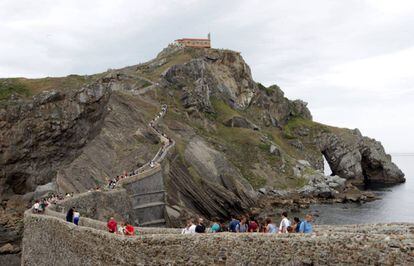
[
  {"x": 100, "y": 205},
  {"x": 147, "y": 195},
  {"x": 139, "y": 200},
  {"x": 51, "y": 241},
  {"x": 100, "y": 225}
]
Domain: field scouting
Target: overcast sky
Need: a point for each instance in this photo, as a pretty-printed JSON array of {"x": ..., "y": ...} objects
[{"x": 351, "y": 60}]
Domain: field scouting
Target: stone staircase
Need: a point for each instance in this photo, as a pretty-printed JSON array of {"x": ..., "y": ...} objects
[
  {"x": 147, "y": 195},
  {"x": 146, "y": 190}
]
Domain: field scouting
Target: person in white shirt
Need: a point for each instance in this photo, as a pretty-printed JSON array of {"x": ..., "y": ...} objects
[
  {"x": 190, "y": 228},
  {"x": 121, "y": 228},
  {"x": 284, "y": 224},
  {"x": 36, "y": 206},
  {"x": 76, "y": 217}
]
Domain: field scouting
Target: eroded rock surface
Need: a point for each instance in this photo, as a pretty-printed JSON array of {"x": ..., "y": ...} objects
[
  {"x": 218, "y": 73},
  {"x": 360, "y": 159}
]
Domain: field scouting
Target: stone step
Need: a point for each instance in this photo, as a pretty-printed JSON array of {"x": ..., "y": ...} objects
[
  {"x": 149, "y": 205},
  {"x": 153, "y": 222}
]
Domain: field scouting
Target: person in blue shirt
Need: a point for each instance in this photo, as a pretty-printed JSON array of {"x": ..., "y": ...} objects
[
  {"x": 306, "y": 226},
  {"x": 233, "y": 225}
]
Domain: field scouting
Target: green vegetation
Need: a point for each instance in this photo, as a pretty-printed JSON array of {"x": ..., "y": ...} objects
[
  {"x": 297, "y": 122},
  {"x": 223, "y": 110},
  {"x": 254, "y": 180},
  {"x": 28, "y": 87},
  {"x": 153, "y": 73},
  {"x": 269, "y": 90},
  {"x": 12, "y": 86}
]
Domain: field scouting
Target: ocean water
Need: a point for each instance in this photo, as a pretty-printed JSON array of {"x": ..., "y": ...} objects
[{"x": 396, "y": 203}]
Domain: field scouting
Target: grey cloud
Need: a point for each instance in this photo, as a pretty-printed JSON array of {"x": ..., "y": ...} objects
[{"x": 296, "y": 44}]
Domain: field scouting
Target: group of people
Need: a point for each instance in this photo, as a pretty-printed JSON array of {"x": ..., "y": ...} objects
[
  {"x": 73, "y": 216},
  {"x": 40, "y": 205},
  {"x": 121, "y": 229},
  {"x": 243, "y": 225},
  {"x": 166, "y": 141}
]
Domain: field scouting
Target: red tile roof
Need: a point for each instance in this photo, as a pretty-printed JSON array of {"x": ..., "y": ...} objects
[{"x": 192, "y": 39}]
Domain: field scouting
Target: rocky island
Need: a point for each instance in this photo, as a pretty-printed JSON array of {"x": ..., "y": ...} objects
[{"x": 239, "y": 147}]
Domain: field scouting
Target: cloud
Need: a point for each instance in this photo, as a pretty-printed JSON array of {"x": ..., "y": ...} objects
[{"x": 351, "y": 60}]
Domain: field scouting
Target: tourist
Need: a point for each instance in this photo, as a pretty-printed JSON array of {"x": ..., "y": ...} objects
[
  {"x": 270, "y": 227},
  {"x": 253, "y": 226},
  {"x": 223, "y": 226},
  {"x": 36, "y": 207},
  {"x": 121, "y": 228},
  {"x": 215, "y": 228},
  {"x": 200, "y": 228},
  {"x": 43, "y": 205},
  {"x": 190, "y": 227},
  {"x": 242, "y": 226},
  {"x": 296, "y": 224},
  {"x": 76, "y": 217},
  {"x": 129, "y": 230},
  {"x": 233, "y": 224},
  {"x": 112, "y": 225},
  {"x": 306, "y": 225},
  {"x": 69, "y": 215},
  {"x": 284, "y": 224}
]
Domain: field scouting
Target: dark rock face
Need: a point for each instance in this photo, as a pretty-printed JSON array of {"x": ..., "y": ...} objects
[
  {"x": 39, "y": 136},
  {"x": 212, "y": 199},
  {"x": 377, "y": 166},
  {"x": 359, "y": 159}
]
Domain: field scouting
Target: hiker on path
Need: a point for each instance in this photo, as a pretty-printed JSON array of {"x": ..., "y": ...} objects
[
  {"x": 253, "y": 226},
  {"x": 215, "y": 228},
  {"x": 36, "y": 207},
  {"x": 233, "y": 224},
  {"x": 190, "y": 227},
  {"x": 76, "y": 217},
  {"x": 296, "y": 224},
  {"x": 112, "y": 225},
  {"x": 242, "y": 226},
  {"x": 270, "y": 226},
  {"x": 306, "y": 225},
  {"x": 69, "y": 215},
  {"x": 200, "y": 228},
  {"x": 284, "y": 224},
  {"x": 129, "y": 230}
]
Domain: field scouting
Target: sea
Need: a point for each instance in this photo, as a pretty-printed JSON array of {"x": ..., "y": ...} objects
[{"x": 396, "y": 203}]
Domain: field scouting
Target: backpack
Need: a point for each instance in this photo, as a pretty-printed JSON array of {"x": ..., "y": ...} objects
[{"x": 298, "y": 226}]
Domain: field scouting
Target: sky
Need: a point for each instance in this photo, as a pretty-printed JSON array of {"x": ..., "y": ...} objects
[{"x": 352, "y": 61}]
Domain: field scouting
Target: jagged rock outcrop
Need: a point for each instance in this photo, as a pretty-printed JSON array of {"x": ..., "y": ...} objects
[
  {"x": 219, "y": 73},
  {"x": 360, "y": 159},
  {"x": 276, "y": 108},
  {"x": 39, "y": 136}
]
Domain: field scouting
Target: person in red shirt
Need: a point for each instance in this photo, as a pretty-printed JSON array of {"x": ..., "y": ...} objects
[
  {"x": 129, "y": 230},
  {"x": 253, "y": 226},
  {"x": 112, "y": 225}
]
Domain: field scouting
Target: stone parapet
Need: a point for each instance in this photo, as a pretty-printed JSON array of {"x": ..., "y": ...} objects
[{"x": 51, "y": 241}]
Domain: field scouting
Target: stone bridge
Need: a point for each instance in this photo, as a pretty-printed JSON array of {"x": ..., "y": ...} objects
[{"x": 49, "y": 240}]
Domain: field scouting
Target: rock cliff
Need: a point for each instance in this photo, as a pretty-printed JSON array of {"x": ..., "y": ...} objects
[{"x": 233, "y": 136}]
